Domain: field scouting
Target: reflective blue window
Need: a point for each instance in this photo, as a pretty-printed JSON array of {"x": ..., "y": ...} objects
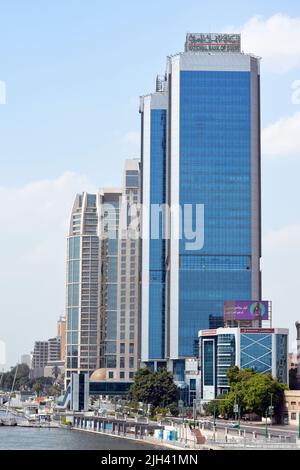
[
  {"x": 215, "y": 171},
  {"x": 256, "y": 352},
  {"x": 91, "y": 200},
  {"x": 132, "y": 179},
  {"x": 282, "y": 358},
  {"x": 111, "y": 325},
  {"x": 208, "y": 363},
  {"x": 112, "y": 271},
  {"x": 157, "y": 246}
]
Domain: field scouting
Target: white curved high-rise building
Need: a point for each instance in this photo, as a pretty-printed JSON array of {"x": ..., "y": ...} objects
[{"x": 102, "y": 282}]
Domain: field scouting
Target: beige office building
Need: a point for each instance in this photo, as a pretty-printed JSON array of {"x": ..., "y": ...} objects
[{"x": 102, "y": 282}]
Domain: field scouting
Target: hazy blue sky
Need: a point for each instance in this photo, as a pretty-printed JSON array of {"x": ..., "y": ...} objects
[{"x": 73, "y": 72}]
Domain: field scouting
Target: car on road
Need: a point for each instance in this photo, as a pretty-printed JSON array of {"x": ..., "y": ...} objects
[{"x": 232, "y": 425}]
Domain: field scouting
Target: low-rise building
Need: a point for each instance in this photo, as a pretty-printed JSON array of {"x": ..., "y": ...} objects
[
  {"x": 263, "y": 349},
  {"x": 291, "y": 411}
]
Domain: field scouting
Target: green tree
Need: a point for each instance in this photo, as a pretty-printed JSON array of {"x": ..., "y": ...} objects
[
  {"x": 233, "y": 375},
  {"x": 257, "y": 396},
  {"x": 155, "y": 388},
  {"x": 37, "y": 387},
  {"x": 54, "y": 390},
  {"x": 252, "y": 391},
  {"x": 173, "y": 409},
  {"x": 22, "y": 377}
]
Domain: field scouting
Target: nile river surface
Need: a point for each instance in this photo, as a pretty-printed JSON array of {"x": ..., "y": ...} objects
[{"x": 63, "y": 439}]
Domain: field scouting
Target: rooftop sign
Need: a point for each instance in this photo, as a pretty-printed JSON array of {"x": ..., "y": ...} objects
[
  {"x": 257, "y": 330},
  {"x": 202, "y": 42}
]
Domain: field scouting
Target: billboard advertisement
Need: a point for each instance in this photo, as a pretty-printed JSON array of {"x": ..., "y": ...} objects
[{"x": 246, "y": 310}]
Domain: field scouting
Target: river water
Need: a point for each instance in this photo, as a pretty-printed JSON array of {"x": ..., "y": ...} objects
[{"x": 63, "y": 439}]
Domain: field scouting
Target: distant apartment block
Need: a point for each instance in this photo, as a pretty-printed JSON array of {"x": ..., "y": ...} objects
[
  {"x": 39, "y": 358},
  {"x": 25, "y": 359}
]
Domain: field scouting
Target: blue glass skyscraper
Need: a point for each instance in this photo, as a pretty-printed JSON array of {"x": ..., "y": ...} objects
[{"x": 200, "y": 146}]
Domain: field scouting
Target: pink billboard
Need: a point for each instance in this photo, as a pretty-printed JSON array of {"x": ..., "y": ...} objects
[{"x": 246, "y": 310}]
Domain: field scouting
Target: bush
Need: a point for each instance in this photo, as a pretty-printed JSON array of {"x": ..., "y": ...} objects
[{"x": 173, "y": 409}]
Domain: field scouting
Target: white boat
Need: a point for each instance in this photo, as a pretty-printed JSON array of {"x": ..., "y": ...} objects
[{"x": 10, "y": 420}]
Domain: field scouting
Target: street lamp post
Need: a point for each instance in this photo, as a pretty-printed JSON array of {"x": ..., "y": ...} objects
[
  {"x": 235, "y": 408},
  {"x": 195, "y": 409},
  {"x": 237, "y": 412},
  {"x": 266, "y": 430},
  {"x": 271, "y": 407},
  {"x": 239, "y": 416},
  {"x": 214, "y": 415},
  {"x": 214, "y": 421}
]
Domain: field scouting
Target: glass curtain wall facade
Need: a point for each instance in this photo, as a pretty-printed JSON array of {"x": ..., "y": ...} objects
[
  {"x": 214, "y": 167},
  {"x": 83, "y": 276},
  {"x": 212, "y": 158},
  {"x": 153, "y": 109},
  {"x": 256, "y": 352}
]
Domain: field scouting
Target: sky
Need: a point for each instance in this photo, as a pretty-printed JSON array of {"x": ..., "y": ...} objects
[{"x": 71, "y": 73}]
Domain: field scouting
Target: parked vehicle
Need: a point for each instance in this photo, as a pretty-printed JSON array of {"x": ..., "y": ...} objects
[{"x": 233, "y": 425}]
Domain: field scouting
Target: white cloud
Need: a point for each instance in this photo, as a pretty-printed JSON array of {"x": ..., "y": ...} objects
[
  {"x": 275, "y": 39},
  {"x": 281, "y": 280},
  {"x": 33, "y": 223},
  {"x": 2, "y": 92},
  {"x": 133, "y": 137},
  {"x": 39, "y": 202},
  {"x": 281, "y": 138},
  {"x": 284, "y": 240}
]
